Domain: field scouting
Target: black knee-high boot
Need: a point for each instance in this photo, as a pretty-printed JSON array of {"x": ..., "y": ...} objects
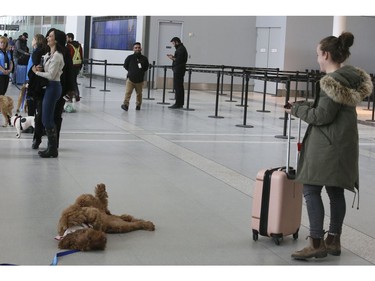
[
  {"x": 58, "y": 129},
  {"x": 39, "y": 128},
  {"x": 51, "y": 150}
]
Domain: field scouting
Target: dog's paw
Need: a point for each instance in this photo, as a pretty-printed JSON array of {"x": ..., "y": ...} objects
[
  {"x": 100, "y": 187},
  {"x": 148, "y": 225},
  {"x": 127, "y": 217}
]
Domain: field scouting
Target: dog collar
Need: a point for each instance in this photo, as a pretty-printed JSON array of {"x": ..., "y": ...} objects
[
  {"x": 73, "y": 229},
  {"x": 15, "y": 120}
]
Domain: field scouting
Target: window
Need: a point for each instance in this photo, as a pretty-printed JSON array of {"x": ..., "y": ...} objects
[{"x": 114, "y": 33}]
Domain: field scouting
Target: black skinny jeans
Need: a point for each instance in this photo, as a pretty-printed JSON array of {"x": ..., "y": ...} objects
[
  {"x": 178, "y": 83},
  {"x": 315, "y": 209}
]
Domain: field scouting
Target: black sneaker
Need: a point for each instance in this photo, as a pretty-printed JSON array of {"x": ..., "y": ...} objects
[
  {"x": 124, "y": 107},
  {"x": 138, "y": 107}
]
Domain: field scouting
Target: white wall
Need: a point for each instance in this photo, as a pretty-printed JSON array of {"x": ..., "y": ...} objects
[
  {"x": 76, "y": 25},
  {"x": 231, "y": 40}
]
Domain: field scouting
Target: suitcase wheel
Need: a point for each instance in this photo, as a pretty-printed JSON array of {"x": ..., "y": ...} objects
[
  {"x": 255, "y": 235},
  {"x": 276, "y": 240}
]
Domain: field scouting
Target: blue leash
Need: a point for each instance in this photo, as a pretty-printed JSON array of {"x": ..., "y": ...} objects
[
  {"x": 61, "y": 254},
  {"x": 54, "y": 261}
]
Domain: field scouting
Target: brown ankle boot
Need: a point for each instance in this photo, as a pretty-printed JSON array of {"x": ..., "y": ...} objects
[
  {"x": 333, "y": 244},
  {"x": 316, "y": 249}
]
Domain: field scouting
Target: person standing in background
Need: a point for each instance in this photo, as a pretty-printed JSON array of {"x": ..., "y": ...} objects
[
  {"x": 179, "y": 60},
  {"x": 11, "y": 47},
  {"x": 20, "y": 54},
  {"x": 76, "y": 53},
  {"x": 67, "y": 86},
  {"x": 36, "y": 87},
  {"x": 6, "y": 65},
  {"x": 136, "y": 65}
]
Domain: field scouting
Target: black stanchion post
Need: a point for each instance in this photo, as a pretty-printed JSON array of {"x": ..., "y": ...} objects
[
  {"x": 222, "y": 79},
  {"x": 313, "y": 86},
  {"x": 277, "y": 81},
  {"x": 153, "y": 74},
  {"x": 105, "y": 77},
  {"x": 296, "y": 89},
  {"x": 231, "y": 86},
  {"x": 217, "y": 98},
  {"x": 243, "y": 88},
  {"x": 245, "y": 108},
  {"x": 284, "y": 135},
  {"x": 164, "y": 86},
  {"x": 264, "y": 94},
  {"x": 373, "y": 103},
  {"x": 91, "y": 87},
  {"x": 368, "y": 98},
  {"x": 149, "y": 85},
  {"x": 307, "y": 83},
  {"x": 188, "y": 91},
  {"x": 172, "y": 92}
]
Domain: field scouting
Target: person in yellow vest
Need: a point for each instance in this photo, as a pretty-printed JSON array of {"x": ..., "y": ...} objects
[{"x": 75, "y": 49}]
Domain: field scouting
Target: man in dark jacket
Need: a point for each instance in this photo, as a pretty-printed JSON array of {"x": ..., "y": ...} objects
[
  {"x": 20, "y": 54},
  {"x": 179, "y": 59},
  {"x": 76, "y": 53},
  {"x": 136, "y": 65}
]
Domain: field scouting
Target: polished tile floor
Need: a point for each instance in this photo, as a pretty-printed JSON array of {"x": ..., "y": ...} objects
[{"x": 191, "y": 172}]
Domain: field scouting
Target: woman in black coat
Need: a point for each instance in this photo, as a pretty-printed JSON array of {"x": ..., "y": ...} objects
[{"x": 36, "y": 88}]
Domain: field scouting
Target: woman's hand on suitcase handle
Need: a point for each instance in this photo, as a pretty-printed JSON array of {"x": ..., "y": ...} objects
[{"x": 288, "y": 108}]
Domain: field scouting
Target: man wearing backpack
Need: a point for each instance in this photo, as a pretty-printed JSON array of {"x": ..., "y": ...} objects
[{"x": 75, "y": 49}]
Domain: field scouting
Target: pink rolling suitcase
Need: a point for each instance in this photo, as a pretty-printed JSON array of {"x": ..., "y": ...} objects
[{"x": 277, "y": 201}]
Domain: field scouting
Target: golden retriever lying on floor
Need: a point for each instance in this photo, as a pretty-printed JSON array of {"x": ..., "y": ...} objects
[{"x": 83, "y": 225}]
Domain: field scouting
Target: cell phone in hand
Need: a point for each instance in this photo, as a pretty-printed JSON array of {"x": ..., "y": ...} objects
[
  {"x": 41, "y": 61},
  {"x": 288, "y": 106}
]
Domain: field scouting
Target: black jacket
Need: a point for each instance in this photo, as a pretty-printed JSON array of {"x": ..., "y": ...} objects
[
  {"x": 66, "y": 78},
  {"x": 136, "y": 73},
  {"x": 36, "y": 83},
  {"x": 181, "y": 57}
]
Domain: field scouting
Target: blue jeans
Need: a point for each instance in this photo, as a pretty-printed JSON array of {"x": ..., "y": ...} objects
[
  {"x": 315, "y": 209},
  {"x": 51, "y": 96}
]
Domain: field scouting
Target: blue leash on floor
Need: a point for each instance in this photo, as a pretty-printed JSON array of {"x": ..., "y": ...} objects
[
  {"x": 61, "y": 254},
  {"x": 55, "y": 258}
]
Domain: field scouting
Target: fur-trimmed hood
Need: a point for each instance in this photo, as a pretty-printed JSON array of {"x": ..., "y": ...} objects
[{"x": 348, "y": 85}]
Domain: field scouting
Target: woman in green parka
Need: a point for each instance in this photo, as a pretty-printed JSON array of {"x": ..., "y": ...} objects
[{"x": 329, "y": 154}]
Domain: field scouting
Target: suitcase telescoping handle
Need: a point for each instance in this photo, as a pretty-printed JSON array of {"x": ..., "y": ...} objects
[{"x": 289, "y": 131}]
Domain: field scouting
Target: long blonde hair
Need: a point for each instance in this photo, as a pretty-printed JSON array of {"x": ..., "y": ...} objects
[{"x": 4, "y": 39}]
